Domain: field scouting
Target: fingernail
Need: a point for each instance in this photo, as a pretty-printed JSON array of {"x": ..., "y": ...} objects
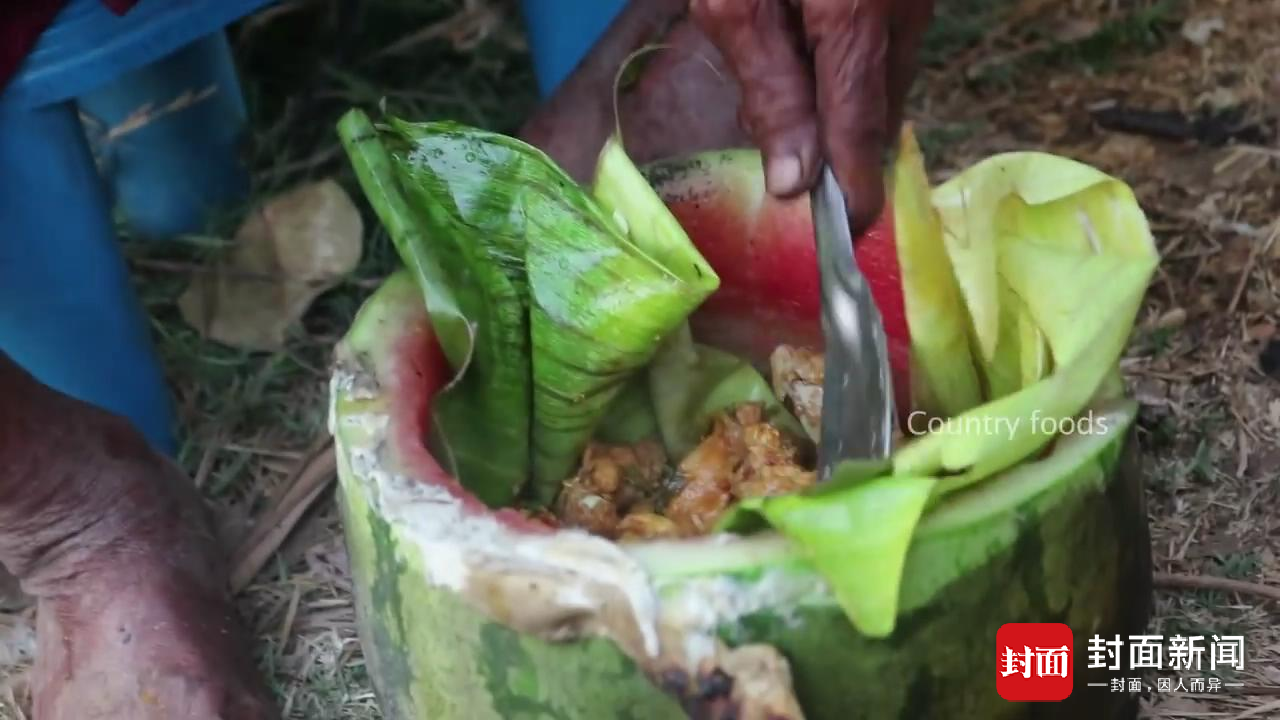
[{"x": 783, "y": 174}]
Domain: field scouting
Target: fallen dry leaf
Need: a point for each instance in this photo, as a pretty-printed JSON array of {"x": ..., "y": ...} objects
[
  {"x": 1263, "y": 331},
  {"x": 1119, "y": 153},
  {"x": 1170, "y": 319},
  {"x": 1076, "y": 29},
  {"x": 295, "y": 247},
  {"x": 1199, "y": 30}
]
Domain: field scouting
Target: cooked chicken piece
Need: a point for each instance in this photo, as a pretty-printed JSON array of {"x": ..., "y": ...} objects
[
  {"x": 641, "y": 508},
  {"x": 766, "y": 445},
  {"x": 744, "y": 456},
  {"x": 716, "y": 457},
  {"x": 707, "y": 473},
  {"x": 776, "y": 480},
  {"x": 771, "y": 466},
  {"x": 646, "y": 481},
  {"x": 743, "y": 415},
  {"x": 619, "y": 491},
  {"x": 610, "y": 480},
  {"x": 698, "y": 506},
  {"x": 646, "y": 526},
  {"x": 609, "y": 468},
  {"x": 797, "y": 381},
  {"x": 580, "y": 507}
]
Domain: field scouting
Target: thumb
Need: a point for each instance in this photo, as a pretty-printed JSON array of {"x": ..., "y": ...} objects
[
  {"x": 851, "y": 42},
  {"x": 762, "y": 45}
]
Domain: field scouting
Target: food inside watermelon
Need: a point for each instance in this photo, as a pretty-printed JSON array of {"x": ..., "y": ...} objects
[
  {"x": 632, "y": 492},
  {"x": 597, "y": 341}
]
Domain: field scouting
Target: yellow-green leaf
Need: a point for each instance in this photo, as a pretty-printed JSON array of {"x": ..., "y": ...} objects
[
  {"x": 944, "y": 377},
  {"x": 1072, "y": 244}
]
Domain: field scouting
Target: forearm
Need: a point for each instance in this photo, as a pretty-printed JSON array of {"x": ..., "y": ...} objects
[{"x": 584, "y": 100}]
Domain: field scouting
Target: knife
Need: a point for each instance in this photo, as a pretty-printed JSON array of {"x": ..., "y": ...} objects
[{"x": 857, "y": 398}]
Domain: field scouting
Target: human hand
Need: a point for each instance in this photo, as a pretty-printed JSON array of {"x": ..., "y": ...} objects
[{"x": 821, "y": 79}]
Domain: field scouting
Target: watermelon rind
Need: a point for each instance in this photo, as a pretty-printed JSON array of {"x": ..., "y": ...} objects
[{"x": 466, "y": 615}]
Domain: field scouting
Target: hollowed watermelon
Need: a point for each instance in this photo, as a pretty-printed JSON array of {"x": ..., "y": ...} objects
[{"x": 474, "y": 614}]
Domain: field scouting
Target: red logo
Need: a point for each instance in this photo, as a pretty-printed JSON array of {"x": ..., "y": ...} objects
[{"x": 1034, "y": 662}]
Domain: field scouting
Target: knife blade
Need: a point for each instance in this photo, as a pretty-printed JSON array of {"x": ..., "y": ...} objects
[{"x": 857, "y": 398}]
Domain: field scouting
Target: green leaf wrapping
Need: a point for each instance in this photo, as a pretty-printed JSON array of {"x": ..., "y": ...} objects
[
  {"x": 856, "y": 533},
  {"x": 1051, "y": 260},
  {"x": 546, "y": 300},
  {"x": 607, "y": 287},
  {"x": 1071, "y": 247},
  {"x": 444, "y": 193},
  {"x": 689, "y": 383},
  {"x": 630, "y": 417}
]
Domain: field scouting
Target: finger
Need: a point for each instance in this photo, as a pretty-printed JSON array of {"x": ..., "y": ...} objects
[
  {"x": 762, "y": 46},
  {"x": 850, "y": 48},
  {"x": 906, "y": 35}
]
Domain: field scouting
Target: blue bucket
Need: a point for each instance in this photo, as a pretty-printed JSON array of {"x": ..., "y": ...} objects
[
  {"x": 162, "y": 71},
  {"x": 561, "y": 32},
  {"x": 68, "y": 311}
]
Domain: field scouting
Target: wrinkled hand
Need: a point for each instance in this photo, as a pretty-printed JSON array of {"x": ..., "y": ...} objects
[{"x": 821, "y": 79}]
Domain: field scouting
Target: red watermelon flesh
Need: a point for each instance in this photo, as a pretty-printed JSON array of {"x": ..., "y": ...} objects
[
  {"x": 764, "y": 251},
  {"x": 413, "y": 362}
]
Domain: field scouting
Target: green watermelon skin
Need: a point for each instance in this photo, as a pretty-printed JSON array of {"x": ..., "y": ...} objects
[
  {"x": 1087, "y": 564},
  {"x": 431, "y": 656},
  {"x": 1077, "y": 552}
]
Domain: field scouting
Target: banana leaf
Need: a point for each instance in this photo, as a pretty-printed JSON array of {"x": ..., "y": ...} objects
[
  {"x": 944, "y": 379},
  {"x": 1073, "y": 246},
  {"x": 610, "y": 276},
  {"x": 1052, "y": 259},
  {"x": 630, "y": 417},
  {"x": 689, "y": 383},
  {"x": 447, "y": 196},
  {"x": 1019, "y": 355},
  {"x": 686, "y": 385},
  {"x": 855, "y": 530},
  {"x": 546, "y": 300}
]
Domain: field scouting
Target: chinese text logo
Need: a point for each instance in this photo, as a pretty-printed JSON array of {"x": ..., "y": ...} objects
[
  {"x": 1034, "y": 662},
  {"x": 1182, "y": 653},
  {"x": 1177, "y": 654}
]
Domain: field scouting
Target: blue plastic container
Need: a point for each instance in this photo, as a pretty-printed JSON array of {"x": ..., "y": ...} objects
[
  {"x": 561, "y": 32},
  {"x": 67, "y": 310},
  {"x": 171, "y": 171},
  {"x": 171, "y": 174},
  {"x": 88, "y": 47}
]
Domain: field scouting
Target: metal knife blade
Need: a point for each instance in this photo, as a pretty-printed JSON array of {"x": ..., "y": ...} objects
[{"x": 857, "y": 397}]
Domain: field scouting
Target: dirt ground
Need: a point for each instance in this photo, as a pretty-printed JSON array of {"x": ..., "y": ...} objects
[{"x": 1179, "y": 99}]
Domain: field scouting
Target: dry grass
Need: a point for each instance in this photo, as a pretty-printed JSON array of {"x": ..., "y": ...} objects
[{"x": 1027, "y": 75}]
